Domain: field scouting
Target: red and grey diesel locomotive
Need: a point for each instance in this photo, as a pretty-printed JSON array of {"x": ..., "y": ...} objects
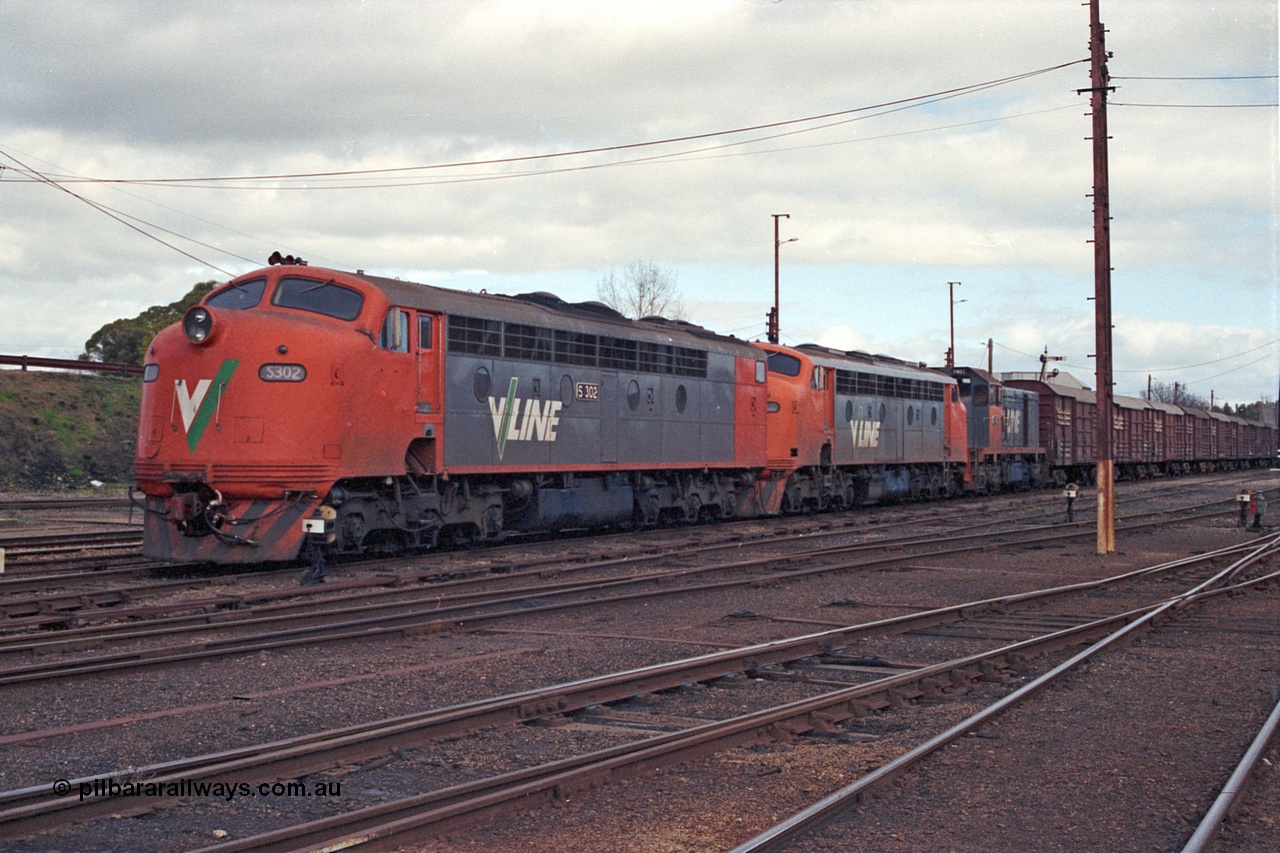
[{"x": 300, "y": 411}]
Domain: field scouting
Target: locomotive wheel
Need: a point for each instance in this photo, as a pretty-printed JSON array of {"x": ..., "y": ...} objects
[{"x": 694, "y": 510}]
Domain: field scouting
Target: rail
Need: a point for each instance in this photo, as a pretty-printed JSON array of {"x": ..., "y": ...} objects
[
  {"x": 1231, "y": 794},
  {"x": 29, "y": 361},
  {"x": 32, "y": 809},
  {"x": 780, "y": 835}
]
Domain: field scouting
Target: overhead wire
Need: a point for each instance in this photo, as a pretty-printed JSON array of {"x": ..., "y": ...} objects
[
  {"x": 1228, "y": 77},
  {"x": 1190, "y": 106},
  {"x": 1203, "y": 363},
  {"x": 118, "y": 216},
  {"x": 711, "y": 152},
  {"x": 1232, "y": 370},
  {"x": 1250, "y": 363},
  {"x": 902, "y": 103},
  {"x": 72, "y": 175},
  {"x": 853, "y": 114},
  {"x": 1197, "y": 106}
]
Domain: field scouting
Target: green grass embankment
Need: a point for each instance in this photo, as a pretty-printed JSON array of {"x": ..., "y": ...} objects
[{"x": 61, "y": 430}]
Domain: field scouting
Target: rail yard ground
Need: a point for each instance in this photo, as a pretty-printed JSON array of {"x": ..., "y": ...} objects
[{"x": 1124, "y": 754}]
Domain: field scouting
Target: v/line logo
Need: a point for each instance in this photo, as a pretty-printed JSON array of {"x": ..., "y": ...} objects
[
  {"x": 523, "y": 419},
  {"x": 865, "y": 433},
  {"x": 196, "y": 406}
]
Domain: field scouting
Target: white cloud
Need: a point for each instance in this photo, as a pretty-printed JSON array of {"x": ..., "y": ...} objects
[{"x": 886, "y": 209}]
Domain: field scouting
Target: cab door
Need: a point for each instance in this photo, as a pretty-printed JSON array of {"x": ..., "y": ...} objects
[
  {"x": 430, "y": 396},
  {"x": 429, "y": 447}
]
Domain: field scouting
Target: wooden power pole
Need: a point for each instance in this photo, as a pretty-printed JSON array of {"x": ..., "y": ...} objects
[{"x": 1099, "y": 86}]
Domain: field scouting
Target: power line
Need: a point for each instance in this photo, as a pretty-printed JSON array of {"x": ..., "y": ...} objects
[
  {"x": 1203, "y": 363},
  {"x": 705, "y": 153},
  {"x": 709, "y": 152},
  {"x": 1229, "y": 77},
  {"x": 118, "y": 216},
  {"x": 901, "y": 102},
  {"x": 1192, "y": 106},
  {"x": 1263, "y": 357},
  {"x": 129, "y": 220},
  {"x": 64, "y": 178}
]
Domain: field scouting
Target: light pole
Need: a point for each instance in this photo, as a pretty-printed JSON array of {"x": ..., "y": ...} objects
[
  {"x": 951, "y": 351},
  {"x": 773, "y": 315}
]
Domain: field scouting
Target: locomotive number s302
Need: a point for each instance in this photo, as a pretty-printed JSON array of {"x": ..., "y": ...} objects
[
  {"x": 282, "y": 373},
  {"x": 587, "y": 391}
]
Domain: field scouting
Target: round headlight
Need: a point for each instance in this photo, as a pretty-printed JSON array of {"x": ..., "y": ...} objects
[{"x": 198, "y": 324}]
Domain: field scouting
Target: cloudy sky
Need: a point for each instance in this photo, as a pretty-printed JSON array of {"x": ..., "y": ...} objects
[{"x": 413, "y": 139}]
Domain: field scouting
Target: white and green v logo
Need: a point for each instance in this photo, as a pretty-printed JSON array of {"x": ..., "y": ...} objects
[
  {"x": 538, "y": 423},
  {"x": 196, "y": 406}
]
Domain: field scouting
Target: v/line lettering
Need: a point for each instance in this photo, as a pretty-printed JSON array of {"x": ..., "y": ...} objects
[{"x": 523, "y": 419}]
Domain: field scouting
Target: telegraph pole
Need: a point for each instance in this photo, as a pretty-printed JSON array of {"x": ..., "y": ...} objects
[
  {"x": 951, "y": 351},
  {"x": 773, "y": 325},
  {"x": 1099, "y": 81}
]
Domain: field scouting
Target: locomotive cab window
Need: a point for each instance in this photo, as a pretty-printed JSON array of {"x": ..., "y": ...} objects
[
  {"x": 424, "y": 332},
  {"x": 787, "y": 365},
  {"x": 238, "y": 297},
  {"x": 320, "y": 297},
  {"x": 395, "y": 331}
]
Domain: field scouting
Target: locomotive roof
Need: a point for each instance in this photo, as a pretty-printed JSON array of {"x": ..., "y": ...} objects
[
  {"x": 545, "y": 309},
  {"x": 987, "y": 377},
  {"x": 855, "y": 359},
  {"x": 979, "y": 373}
]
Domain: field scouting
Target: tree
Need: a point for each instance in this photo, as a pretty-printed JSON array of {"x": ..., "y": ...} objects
[
  {"x": 1259, "y": 410},
  {"x": 1176, "y": 394},
  {"x": 125, "y": 341},
  {"x": 643, "y": 290}
]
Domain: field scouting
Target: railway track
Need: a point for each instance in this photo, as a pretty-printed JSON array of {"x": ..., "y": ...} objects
[
  {"x": 788, "y": 661},
  {"x": 59, "y": 504},
  {"x": 50, "y": 543},
  {"x": 999, "y": 625},
  {"x": 36, "y": 552},
  {"x": 781, "y": 836},
  {"x": 455, "y": 605}
]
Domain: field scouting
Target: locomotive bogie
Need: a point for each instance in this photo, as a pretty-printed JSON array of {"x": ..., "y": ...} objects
[{"x": 401, "y": 513}]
